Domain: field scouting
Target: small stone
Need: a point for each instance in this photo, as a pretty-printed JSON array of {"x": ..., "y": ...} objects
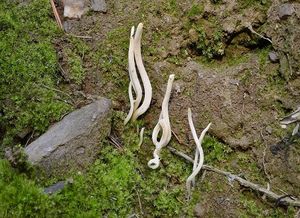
[
  {"x": 99, "y": 5},
  {"x": 163, "y": 53},
  {"x": 273, "y": 57},
  {"x": 269, "y": 129},
  {"x": 74, "y": 8},
  {"x": 178, "y": 88},
  {"x": 67, "y": 25},
  {"x": 286, "y": 10},
  {"x": 173, "y": 47},
  {"x": 55, "y": 188},
  {"x": 72, "y": 143},
  {"x": 234, "y": 82},
  {"x": 194, "y": 36},
  {"x": 199, "y": 211}
]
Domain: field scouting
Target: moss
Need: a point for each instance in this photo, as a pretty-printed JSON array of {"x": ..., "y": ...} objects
[
  {"x": 251, "y": 208},
  {"x": 196, "y": 10},
  {"x": 107, "y": 189},
  {"x": 110, "y": 58},
  {"x": 210, "y": 40},
  {"x": 28, "y": 69},
  {"x": 172, "y": 6},
  {"x": 215, "y": 151},
  {"x": 260, "y": 4},
  {"x": 75, "y": 65},
  {"x": 19, "y": 196}
]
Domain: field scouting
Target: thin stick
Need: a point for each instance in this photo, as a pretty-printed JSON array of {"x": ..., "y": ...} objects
[
  {"x": 114, "y": 141},
  {"x": 31, "y": 136},
  {"x": 140, "y": 203},
  {"x": 63, "y": 73},
  {"x": 80, "y": 37},
  {"x": 264, "y": 158},
  {"x": 243, "y": 182},
  {"x": 57, "y": 90},
  {"x": 177, "y": 138},
  {"x": 57, "y": 18},
  {"x": 249, "y": 26}
]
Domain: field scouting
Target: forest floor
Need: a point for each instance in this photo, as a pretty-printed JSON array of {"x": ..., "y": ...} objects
[{"x": 222, "y": 71}]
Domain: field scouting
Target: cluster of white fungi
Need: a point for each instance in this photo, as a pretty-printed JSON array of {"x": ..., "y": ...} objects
[{"x": 141, "y": 102}]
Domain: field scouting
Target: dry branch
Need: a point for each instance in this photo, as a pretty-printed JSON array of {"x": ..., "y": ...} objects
[
  {"x": 282, "y": 200},
  {"x": 56, "y": 15}
]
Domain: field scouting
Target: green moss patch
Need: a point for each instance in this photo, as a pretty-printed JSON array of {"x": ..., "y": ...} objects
[{"x": 28, "y": 69}]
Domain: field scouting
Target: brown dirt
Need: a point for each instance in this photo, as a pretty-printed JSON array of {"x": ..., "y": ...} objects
[{"x": 237, "y": 93}]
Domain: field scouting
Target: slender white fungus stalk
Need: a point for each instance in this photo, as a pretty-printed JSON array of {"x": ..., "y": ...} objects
[
  {"x": 132, "y": 101},
  {"x": 162, "y": 125},
  {"x": 132, "y": 71},
  {"x": 145, "y": 79},
  {"x": 141, "y": 137},
  {"x": 134, "y": 82},
  {"x": 137, "y": 107},
  {"x": 199, "y": 154}
]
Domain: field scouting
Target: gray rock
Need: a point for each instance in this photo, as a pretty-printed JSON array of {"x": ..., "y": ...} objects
[
  {"x": 269, "y": 129},
  {"x": 74, "y": 8},
  {"x": 286, "y": 10},
  {"x": 72, "y": 143},
  {"x": 55, "y": 188},
  {"x": 99, "y": 5},
  {"x": 273, "y": 57}
]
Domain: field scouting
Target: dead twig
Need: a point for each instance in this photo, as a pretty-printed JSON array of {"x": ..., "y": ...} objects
[
  {"x": 281, "y": 200},
  {"x": 177, "y": 138},
  {"x": 80, "y": 37},
  {"x": 114, "y": 141},
  {"x": 140, "y": 203},
  {"x": 57, "y": 90},
  {"x": 64, "y": 74},
  {"x": 31, "y": 136},
  {"x": 56, "y": 15},
  {"x": 264, "y": 158},
  {"x": 249, "y": 26},
  {"x": 203, "y": 176}
]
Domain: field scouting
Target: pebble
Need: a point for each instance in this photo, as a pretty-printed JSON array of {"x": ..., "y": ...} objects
[
  {"x": 99, "y": 5},
  {"x": 273, "y": 57},
  {"x": 74, "y": 8},
  {"x": 199, "y": 210},
  {"x": 54, "y": 188},
  {"x": 286, "y": 10}
]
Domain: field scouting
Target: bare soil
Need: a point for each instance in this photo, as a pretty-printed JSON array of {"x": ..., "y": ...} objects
[{"x": 242, "y": 93}]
